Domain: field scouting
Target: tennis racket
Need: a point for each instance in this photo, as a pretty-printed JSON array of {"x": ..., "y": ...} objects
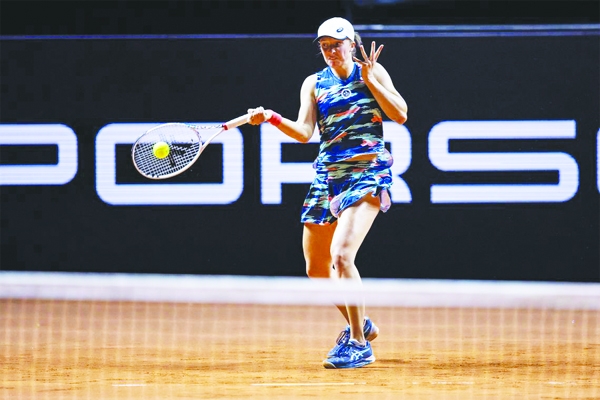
[{"x": 169, "y": 149}]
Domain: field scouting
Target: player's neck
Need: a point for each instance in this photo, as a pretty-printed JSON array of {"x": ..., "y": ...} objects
[{"x": 344, "y": 71}]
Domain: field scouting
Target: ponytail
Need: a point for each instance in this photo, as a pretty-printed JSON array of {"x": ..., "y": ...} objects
[{"x": 357, "y": 43}]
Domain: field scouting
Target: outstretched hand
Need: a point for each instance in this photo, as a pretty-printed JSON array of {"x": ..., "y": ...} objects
[{"x": 368, "y": 62}]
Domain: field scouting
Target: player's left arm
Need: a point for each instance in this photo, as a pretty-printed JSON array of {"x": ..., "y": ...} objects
[
  {"x": 380, "y": 84},
  {"x": 389, "y": 99}
]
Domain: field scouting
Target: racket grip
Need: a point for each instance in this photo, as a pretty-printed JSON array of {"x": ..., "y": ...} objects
[{"x": 234, "y": 123}]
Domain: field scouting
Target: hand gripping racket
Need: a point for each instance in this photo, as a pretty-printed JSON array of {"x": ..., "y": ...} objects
[{"x": 169, "y": 149}]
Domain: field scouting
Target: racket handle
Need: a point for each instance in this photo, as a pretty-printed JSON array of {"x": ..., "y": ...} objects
[{"x": 234, "y": 123}]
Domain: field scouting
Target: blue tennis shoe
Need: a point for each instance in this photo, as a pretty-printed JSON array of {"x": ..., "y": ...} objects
[
  {"x": 370, "y": 330},
  {"x": 351, "y": 355}
]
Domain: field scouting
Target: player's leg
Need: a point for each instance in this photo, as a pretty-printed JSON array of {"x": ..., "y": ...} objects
[
  {"x": 316, "y": 244},
  {"x": 353, "y": 225},
  {"x": 317, "y": 252},
  {"x": 352, "y": 228}
]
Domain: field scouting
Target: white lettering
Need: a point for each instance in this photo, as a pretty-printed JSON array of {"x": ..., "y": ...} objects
[
  {"x": 60, "y": 135},
  {"x": 274, "y": 173},
  {"x": 442, "y": 159},
  {"x": 114, "y": 193},
  {"x": 401, "y": 148}
]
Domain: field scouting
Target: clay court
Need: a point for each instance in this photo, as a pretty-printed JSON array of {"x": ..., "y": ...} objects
[{"x": 148, "y": 350}]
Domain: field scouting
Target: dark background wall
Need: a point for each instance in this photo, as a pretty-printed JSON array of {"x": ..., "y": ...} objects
[
  {"x": 45, "y": 17},
  {"x": 87, "y": 84}
]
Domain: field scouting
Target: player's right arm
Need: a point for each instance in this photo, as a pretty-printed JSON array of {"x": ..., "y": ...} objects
[{"x": 302, "y": 129}]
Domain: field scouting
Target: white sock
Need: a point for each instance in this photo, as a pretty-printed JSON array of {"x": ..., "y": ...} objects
[{"x": 356, "y": 343}]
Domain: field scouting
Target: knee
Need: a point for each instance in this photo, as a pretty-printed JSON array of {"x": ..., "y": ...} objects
[{"x": 342, "y": 260}]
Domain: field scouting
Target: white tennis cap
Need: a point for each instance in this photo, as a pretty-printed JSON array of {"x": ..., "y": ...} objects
[{"x": 337, "y": 28}]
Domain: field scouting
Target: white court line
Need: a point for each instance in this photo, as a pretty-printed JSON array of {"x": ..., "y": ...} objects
[
  {"x": 129, "y": 384},
  {"x": 264, "y": 384},
  {"x": 309, "y": 384}
]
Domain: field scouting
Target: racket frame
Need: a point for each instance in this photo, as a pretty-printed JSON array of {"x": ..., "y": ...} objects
[{"x": 234, "y": 123}]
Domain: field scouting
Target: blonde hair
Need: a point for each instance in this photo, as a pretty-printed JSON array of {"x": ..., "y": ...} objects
[{"x": 357, "y": 43}]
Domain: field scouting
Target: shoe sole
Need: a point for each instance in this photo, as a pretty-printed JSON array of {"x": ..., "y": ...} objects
[{"x": 366, "y": 361}]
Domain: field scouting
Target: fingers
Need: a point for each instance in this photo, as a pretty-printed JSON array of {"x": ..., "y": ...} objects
[
  {"x": 364, "y": 54},
  {"x": 256, "y": 116},
  {"x": 373, "y": 56},
  {"x": 378, "y": 52}
]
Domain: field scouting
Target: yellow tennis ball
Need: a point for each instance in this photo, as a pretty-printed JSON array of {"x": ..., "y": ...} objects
[{"x": 160, "y": 150}]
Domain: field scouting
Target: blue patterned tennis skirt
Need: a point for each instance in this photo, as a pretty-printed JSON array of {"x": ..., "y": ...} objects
[{"x": 339, "y": 185}]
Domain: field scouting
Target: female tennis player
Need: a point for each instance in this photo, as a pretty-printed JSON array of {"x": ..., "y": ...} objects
[{"x": 347, "y": 100}]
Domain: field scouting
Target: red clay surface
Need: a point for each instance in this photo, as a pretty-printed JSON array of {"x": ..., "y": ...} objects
[{"x": 111, "y": 350}]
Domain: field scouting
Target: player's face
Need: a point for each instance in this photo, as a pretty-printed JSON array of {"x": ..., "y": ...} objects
[{"x": 336, "y": 52}]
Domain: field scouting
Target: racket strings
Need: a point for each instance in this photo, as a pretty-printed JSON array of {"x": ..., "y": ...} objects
[{"x": 184, "y": 145}]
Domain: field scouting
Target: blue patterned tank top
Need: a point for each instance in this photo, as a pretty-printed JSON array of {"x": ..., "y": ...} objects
[{"x": 349, "y": 117}]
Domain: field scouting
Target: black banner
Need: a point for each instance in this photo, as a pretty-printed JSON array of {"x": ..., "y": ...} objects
[{"x": 497, "y": 173}]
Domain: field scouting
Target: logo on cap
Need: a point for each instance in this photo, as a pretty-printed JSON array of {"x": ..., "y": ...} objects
[{"x": 341, "y": 28}]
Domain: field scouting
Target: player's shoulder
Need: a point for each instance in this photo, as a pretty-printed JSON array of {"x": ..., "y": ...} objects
[
  {"x": 310, "y": 81},
  {"x": 379, "y": 69}
]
